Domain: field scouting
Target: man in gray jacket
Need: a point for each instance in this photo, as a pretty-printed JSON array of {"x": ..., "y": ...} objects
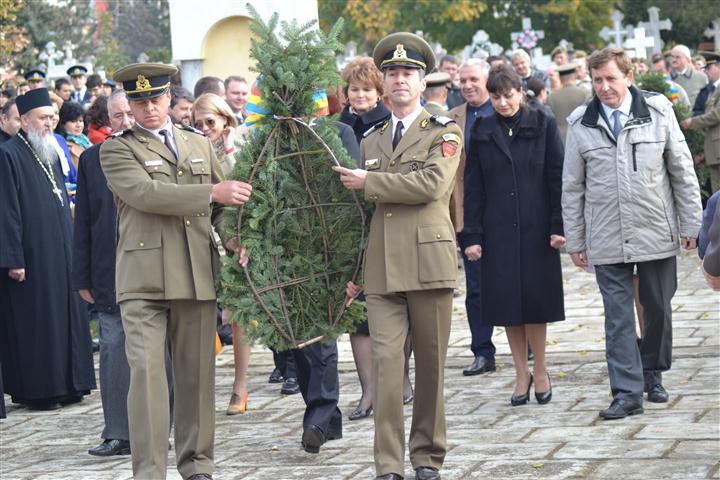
[{"x": 630, "y": 200}]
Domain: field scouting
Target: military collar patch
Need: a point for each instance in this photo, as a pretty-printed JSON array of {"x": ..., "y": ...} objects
[
  {"x": 424, "y": 123},
  {"x": 385, "y": 125}
]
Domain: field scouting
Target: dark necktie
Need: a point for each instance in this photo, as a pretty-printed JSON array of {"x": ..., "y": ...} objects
[
  {"x": 168, "y": 144},
  {"x": 398, "y": 135},
  {"x": 617, "y": 126}
]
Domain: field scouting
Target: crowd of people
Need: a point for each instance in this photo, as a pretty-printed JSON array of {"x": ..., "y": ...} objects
[{"x": 113, "y": 192}]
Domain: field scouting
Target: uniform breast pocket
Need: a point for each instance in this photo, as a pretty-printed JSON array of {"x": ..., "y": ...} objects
[
  {"x": 646, "y": 155},
  {"x": 159, "y": 170},
  {"x": 436, "y": 254},
  {"x": 140, "y": 268},
  {"x": 200, "y": 171}
]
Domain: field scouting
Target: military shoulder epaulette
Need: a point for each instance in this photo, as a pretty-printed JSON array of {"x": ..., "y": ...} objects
[
  {"x": 442, "y": 120},
  {"x": 188, "y": 128},
  {"x": 375, "y": 127}
]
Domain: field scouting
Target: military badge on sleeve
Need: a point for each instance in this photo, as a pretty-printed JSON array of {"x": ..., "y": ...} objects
[{"x": 450, "y": 144}]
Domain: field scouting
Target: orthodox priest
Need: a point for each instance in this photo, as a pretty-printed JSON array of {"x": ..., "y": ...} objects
[{"x": 45, "y": 346}]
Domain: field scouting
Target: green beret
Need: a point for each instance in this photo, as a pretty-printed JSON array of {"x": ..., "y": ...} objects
[
  {"x": 710, "y": 57},
  {"x": 437, "y": 79},
  {"x": 404, "y": 49},
  {"x": 145, "y": 80},
  {"x": 567, "y": 69}
]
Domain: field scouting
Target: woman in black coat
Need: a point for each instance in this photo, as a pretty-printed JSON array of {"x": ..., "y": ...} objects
[{"x": 513, "y": 224}]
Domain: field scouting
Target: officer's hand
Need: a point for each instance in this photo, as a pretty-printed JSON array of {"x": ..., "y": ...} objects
[
  {"x": 86, "y": 295},
  {"x": 687, "y": 123},
  {"x": 473, "y": 252},
  {"x": 689, "y": 243},
  {"x": 580, "y": 259},
  {"x": 243, "y": 257},
  {"x": 352, "y": 290},
  {"x": 352, "y": 179},
  {"x": 17, "y": 274},
  {"x": 557, "y": 241},
  {"x": 231, "y": 192}
]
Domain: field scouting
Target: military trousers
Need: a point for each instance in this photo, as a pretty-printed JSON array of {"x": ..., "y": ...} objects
[
  {"x": 426, "y": 314},
  {"x": 188, "y": 326}
]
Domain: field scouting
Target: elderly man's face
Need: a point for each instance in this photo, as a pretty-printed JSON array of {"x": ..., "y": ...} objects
[
  {"x": 121, "y": 117},
  {"x": 39, "y": 120},
  {"x": 678, "y": 60},
  {"x": 473, "y": 85},
  {"x": 521, "y": 66},
  {"x": 610, "y": 84}
]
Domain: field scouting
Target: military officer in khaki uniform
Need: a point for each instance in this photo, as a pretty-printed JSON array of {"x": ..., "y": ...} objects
[
  {"x": 167, "y": 185},
  {"x": 564, "y": 101},
  {"x": 436, "y": 93},
  {"x": 410, "y": 265},
  {"x": 710, "y": 119}
]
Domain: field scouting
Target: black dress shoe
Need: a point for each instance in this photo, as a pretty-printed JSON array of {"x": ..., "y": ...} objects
[
  {"x": 389, "y": 476},
  {"x": 43, "y": 406},
  {"x": 544, "y": 397},
  {"x": 427, "y": 473},
  {"x": 200, "y": 476},
  {"x": 359, "y": 413},
  {"x": 621, "y": 408},
  {"x": 480, "y": 365},
  {"x": 111, "y": 447},
  {"x": 531, "y": 355},
  {"x": 275, "y": 376},
  {"x": 290, "y": 386},
  {"x": 312, "y": 439},
  {"x": 516, "y": 400},
  {"x": 657, "y": 394}
]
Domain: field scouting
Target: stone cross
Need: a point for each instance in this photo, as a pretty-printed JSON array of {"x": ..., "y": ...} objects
[
  {"x": 714, "y": 33},
  {"x": 526, "y": 31},
  {"x": 539, "y": 60},
  {"x": 654, "y": 26},
  {"x": 639, "y": 43},
  {"x": 617, "y": 32}
]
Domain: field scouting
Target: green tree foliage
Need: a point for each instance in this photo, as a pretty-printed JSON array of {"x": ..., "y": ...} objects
[
  {"x": 113, "y": 38},
  {"x": 13, "y": 38},
  {"x": 303, "y": 230},
  {"x": 454, "y": 22},
  {"x": 689, "y": 18}
]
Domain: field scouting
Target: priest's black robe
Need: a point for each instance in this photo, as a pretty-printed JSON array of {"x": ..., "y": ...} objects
[{"x": 45, "y": 344}]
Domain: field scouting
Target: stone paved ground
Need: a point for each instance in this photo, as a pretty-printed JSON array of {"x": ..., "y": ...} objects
[{"x": 487, "y": 437}]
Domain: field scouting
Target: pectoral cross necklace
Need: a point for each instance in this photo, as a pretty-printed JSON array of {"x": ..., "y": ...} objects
[{"x": 49, "y": 174}]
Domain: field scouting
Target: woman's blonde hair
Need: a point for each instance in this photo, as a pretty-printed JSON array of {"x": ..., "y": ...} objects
[
  {"x": 211, "y": 103},
  {"x": 56, "y": 99}
]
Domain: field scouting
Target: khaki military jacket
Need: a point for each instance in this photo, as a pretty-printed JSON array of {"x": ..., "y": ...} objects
[
  {"x": 411, "y": 245},
  {"x": 166, "y": 247},
  {"x": 563, "y": 102},
  {"x": 435, "y": 109},
  {"x": 457, "y": 212},
  {"x": 710, "y": 122}
]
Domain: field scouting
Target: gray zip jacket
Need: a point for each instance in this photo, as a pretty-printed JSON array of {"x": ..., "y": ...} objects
[{"x": 634, "y": 199}]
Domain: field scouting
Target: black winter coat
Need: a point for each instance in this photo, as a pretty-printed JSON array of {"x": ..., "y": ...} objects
[
  {"x": 95, "y": 233},
  {"x": 512, "y": 206},
  {"x": 362, "y": 123}
]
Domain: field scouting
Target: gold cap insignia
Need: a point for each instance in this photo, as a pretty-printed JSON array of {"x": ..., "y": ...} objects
[
  {"x": 400, "y": 51},
  {"x": 142, "y": 83}
]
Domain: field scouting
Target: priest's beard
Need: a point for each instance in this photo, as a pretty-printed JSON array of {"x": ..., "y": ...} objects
[{"x": 44, "y": 145}]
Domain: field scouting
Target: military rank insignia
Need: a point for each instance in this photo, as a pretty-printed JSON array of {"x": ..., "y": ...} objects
[
  {"x": 450, "y": 144},
  {"x": 424, "y": 123}
]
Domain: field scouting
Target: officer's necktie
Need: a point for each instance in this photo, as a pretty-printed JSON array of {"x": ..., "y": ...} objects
[
  {"x": 617, "y": 126},
  {"x": 398, "y": 134},
  {"x": 168, "y": 143}
]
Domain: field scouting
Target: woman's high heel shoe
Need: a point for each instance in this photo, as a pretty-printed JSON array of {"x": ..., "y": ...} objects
[
  {"x": 359, "y": 413},
  {"x": 238, "y": 403},
  {"x": 544, "y": 397},
  {"x": 516, "y": 400}
]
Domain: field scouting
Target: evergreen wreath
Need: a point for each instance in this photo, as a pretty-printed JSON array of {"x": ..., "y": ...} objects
[{"x": 303, "y": 230}]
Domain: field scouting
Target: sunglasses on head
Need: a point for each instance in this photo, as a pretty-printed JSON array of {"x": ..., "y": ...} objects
[{"x": 210, "y": 122}]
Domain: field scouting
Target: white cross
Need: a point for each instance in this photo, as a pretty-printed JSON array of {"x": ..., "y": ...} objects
[
  {"x": 714, "y": 33},
  {"x": 617, "y": 32},
  {"x": 527, "y": 25},
  {"x": 539, "y": 60},
  {"x": 639, "y": 43},
  {"x": 654, "y": 26}
]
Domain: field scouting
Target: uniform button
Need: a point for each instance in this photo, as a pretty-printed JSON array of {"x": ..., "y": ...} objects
[
  {"x": 187, "y": 222},
  {"x": 142, "y": 244},
  {"x": 438, "y": 236},
  {"x": 389, "y": 214},
  {"x": 202, "y": 169},
  {"x": 512, "y": 194},
  {"x": 392, "y": 162},
  {"x": 156, "y": 168},
  {"x": 514, "y": 224},
  {"x": 180, "y": 173}
]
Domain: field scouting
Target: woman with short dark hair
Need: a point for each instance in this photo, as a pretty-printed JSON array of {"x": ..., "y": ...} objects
[
  {"x": 72, "y": 127},
  {"x": 513, "y": 225}
]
